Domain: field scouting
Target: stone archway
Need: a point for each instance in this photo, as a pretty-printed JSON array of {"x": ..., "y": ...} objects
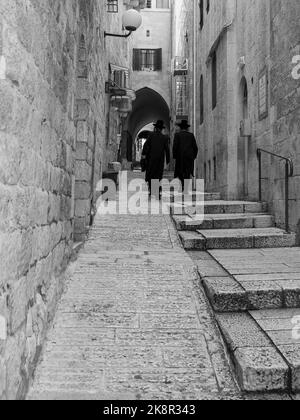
[{"x": 148, "y": 107}]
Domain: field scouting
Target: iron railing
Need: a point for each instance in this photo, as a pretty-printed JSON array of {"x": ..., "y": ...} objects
[{"x": 289, "y": 172}]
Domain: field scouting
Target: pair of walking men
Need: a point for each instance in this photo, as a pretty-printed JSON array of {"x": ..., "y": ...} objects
[{"x": 156, "y": 152}]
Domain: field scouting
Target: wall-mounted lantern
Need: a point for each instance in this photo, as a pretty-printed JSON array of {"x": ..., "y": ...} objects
[{"x": 131, "y": 21}]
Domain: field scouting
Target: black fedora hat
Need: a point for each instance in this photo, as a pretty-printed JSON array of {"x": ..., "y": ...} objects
[
  {"x": 160, "y": 124},
  {"x": 183, "y": 124}
]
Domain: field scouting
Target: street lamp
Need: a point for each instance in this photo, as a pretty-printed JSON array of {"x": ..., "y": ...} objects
[{"x": 131, "y": 21}]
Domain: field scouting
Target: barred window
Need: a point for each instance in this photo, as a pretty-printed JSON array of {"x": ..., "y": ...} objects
[
  {"x": 147, "y": 60},
  {"x": 112, "y": 6}
]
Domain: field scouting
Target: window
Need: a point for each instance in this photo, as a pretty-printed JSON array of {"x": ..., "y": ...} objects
[
  {"x": 207, "y": 6},
  {"x": 215, "y": 169},
  {"x": 181, "y": 97},
  {"x": 112, "y": 6},
  {"x": 162, "y": 4},
  {"x": 120, "y": 79},
  {"x": 214, "y": 78},
  {"x": 147, "y": 60},
  {"x": 201, "y": 100},
  {"x": 201, "y": 5},
  {"x": 158, "y": 4}
]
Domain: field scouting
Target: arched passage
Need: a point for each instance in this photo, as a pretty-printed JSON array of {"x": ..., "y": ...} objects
[{"x": 148, "y": 107}]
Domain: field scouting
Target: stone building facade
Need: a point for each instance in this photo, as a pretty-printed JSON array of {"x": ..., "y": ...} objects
[
  {"x": 58, "y": 132},
  {"x": 285, "y": 105},
  {"x": 242, "y": 95},
  {"x": 151, "y": 72}
]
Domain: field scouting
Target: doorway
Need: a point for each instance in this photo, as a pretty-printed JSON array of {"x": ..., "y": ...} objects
[{"x": 243, "y": 144}]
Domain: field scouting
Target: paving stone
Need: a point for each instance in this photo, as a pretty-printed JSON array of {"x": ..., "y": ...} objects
[
  {"x": 275, "y": 314},
  {"x": 210, "y": 269},
  {"x": 225, "y": 294},
  {"x": 263, "y": 295},
  {"x": 276, "y": 324},
  {"x": 240, "y": 330},
  {"x": 132, "y": 322},
  {"x": 292, "y": 354},
  {"x": 224, "y": 221},
  {"x": 269, "y": 241},
  {"x": 268, "y": 277},
  {"x": 246, "y": 238},
  {"x": 291, "y": 292},
  {"x": 261, "y": 369},
  {"x": 284, "y": 337},
  {"x": 225, "y": 238},
  {"x": 191, "y": 240}
]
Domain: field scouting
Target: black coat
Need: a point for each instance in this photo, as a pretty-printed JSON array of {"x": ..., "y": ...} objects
[
  {"x": 157, "y": 151},
  {"x": 185, "y": 151}
]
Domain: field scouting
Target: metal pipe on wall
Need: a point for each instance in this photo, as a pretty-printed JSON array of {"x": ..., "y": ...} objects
[{"x": 195, "y": 55}]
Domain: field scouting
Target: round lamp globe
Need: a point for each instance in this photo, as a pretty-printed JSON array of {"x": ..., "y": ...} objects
[{"x": 132, "y": 20}]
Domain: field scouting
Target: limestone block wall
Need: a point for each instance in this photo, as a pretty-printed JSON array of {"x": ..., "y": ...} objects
[
  {"x": 37, "y": 142},
  {"x": 285, "y": 106},
  {"x": 252, "y": 34},
  {"x": 213, "y": 133},
  {"x": 235, "y": 30},
  {"x": 54, "y": 144}
]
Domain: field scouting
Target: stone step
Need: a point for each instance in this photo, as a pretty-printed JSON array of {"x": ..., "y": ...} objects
[
  {"x": 227, "y": 294},
  {"x": 240, "y": 280},
  {"x": 191, "y": 196},
  {"x": 237, "y": 239},
  {"x": 218, "y": 207},
  {"x": 265, "y": 349},
  {"x": 224, "y": 221}
]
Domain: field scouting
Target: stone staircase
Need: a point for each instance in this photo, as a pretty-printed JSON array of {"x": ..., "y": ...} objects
[
  {"x": 228, "y": 225},
  {"x": 251, "y": 274}
]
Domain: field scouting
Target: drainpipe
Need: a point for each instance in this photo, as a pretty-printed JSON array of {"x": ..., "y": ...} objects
[{"x": 195, "y": 81}]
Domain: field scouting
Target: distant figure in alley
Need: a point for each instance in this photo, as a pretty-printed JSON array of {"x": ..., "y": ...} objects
[
  {"x": 185, "y": 152},
  {"x": 156, "y": 153}
]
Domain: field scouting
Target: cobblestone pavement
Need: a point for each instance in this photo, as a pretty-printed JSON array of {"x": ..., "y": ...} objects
[{"x": 134, "y": 322}]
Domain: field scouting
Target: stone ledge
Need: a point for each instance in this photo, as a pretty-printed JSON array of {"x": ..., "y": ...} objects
[{"x": 258, "y": 364}]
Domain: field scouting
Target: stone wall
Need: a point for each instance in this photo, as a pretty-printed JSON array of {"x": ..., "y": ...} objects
[
  {"x": 158, "y": 22},
  {"x": 54, "y": 143},
  {"x": 97, "y": 123},
  {"x": 285, "y": 106},
  {"x": 249, "y": 37}
]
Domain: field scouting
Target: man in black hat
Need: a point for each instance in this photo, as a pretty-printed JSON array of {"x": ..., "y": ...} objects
[
  {"x": 185, "y": 152},
  {"x": 155, "y": 153}
]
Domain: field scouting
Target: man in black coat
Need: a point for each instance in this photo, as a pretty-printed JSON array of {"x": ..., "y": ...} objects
[
  {"x": 156, "y": 152},
  {"x": 185, "y": 152}
]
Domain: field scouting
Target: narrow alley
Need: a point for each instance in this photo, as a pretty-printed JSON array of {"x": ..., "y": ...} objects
[
  {"x": 149, "y": 200},
  {"x": 134, "y": 322}
]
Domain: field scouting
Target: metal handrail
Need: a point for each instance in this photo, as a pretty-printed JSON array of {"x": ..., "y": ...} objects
[{"x": 289, "y": 172}]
